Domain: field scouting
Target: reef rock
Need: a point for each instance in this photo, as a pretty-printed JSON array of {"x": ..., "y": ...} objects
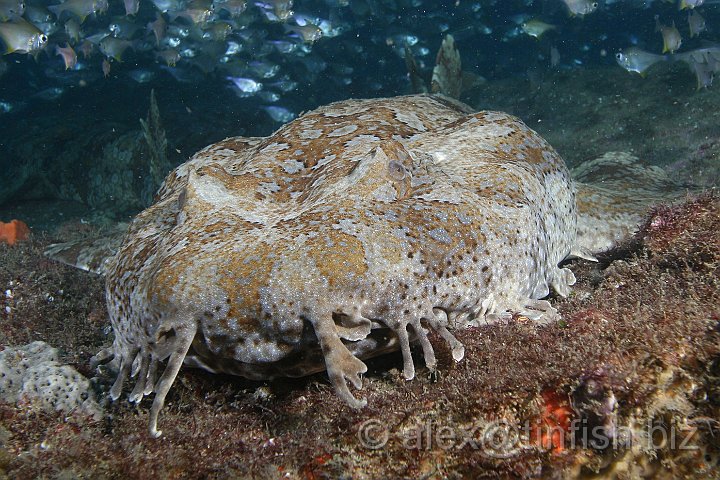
[{"x": 31, "y": 375}]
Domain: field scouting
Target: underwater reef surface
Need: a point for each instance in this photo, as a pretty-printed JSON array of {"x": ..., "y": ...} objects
[{"x": 625, "y": 386}]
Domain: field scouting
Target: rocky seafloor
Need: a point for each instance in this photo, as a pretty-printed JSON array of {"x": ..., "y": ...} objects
[{"x": 627, "y": 385}]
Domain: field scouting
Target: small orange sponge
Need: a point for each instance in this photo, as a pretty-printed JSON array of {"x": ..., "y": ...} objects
[{"x": 14, "y": 231}]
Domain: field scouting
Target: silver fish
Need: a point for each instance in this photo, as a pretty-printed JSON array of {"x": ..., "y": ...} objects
[
  {"x": 690, "y": 3},
  {"x": 21, "y": 36},
  {"x": 6, "y": 107},
  {"x": 704, "y": 63},
  {"x": 141, "y": 75},
  {"x": 636, "y": 60},
  {"x": 49, "y": 94},
  {"x": 309, "y": 33},
  {"x": 696, "y": 23},
  {"x": 42, "y": 19},
  {"x": 113, "y": 47},
  {"x": 581, "y": 7},
  {"x": 131, "y": 7},
  {"x": 264, "y": 68},
  {"x": 246, "y": 85},
  {"x": 234, "y": 7},
  {"x": 285, "y": 85},
  {"x": 122, "y": 27},
  {"x": 267, "y": 96},
  {"x": 671, "y": 36},
  {"x": 704, "y": 74},
  {"x": 279, "y": 114},
  {"x": 72, "y": 29},
  {"x": 79, "y": 8}
]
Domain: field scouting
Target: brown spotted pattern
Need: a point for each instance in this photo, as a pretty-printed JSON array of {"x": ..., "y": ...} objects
[{"x": 349, "y": 232}]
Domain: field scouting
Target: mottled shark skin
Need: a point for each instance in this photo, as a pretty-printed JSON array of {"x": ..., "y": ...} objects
[
  {"x": 318, "y": 246},
  {"x": 614, "y": 193},
  {"x": 353, "y": 230}
]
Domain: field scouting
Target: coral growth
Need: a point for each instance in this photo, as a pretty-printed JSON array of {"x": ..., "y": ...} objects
[
  {"x": 552, "y": 427},
  {"x": 14, "y": 231},
  {"x": 130, "y": 169},
  {"x": 32, "y": 377},
  {"x": 447, "y": 74},
  {"x": 156, "y": 142}
]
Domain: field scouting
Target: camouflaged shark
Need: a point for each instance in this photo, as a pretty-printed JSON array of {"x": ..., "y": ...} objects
[{"x": 351, "y": 231}]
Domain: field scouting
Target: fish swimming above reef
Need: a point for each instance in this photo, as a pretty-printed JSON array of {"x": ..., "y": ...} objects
[
  {"x": 246, "y": 85},
  {"x": 113, "y": 47},
  {"x": 672, "y": 40},
  {"x": 581, "y": 7},
  {"x": 690, "y": 3},
  {"x": 536, "y": 27},
  {"x": 278, "y": 113},
  {"x": 703, "y": 62},
  {"x": 696, "y": 23},
  {"x": 309, "y": 41},
  {"x": 68, "y": 55},
  {"x": 637, "y": 60},
  {"x": 320, "y": 245},
  {"x": 21, "y": 36},
  {"x": 79, "y": 8}
]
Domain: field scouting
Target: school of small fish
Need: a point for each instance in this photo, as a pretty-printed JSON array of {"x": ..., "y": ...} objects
[
  {"x": 266, "y": 49},
  {"x": 704, "y": 61}
]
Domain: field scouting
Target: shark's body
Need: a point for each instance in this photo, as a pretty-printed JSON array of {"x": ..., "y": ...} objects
[{"x": 320, "y": 245}]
